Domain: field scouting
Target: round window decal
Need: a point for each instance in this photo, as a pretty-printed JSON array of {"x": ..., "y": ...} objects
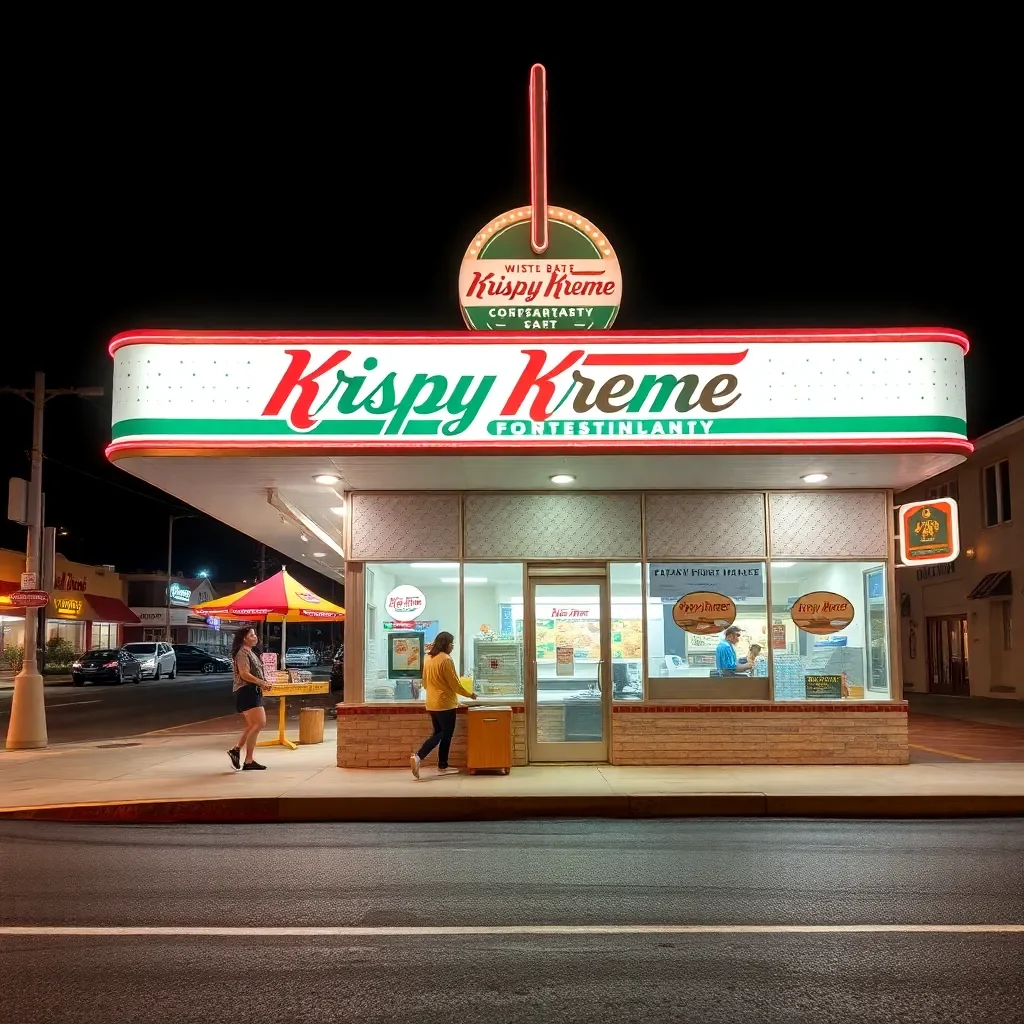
[
  {"x": 822, "y": 612},
  {"x": 704, "y": 612},
  {"x": 405, "y": 603}
]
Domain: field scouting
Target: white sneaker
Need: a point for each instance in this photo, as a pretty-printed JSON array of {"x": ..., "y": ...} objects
[
  {"x": 447, "y": 771},
  {"x": 414, "y": 764}
]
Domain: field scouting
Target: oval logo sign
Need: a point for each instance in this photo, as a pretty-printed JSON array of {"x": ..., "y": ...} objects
[
  {"x": 822, "y": 612},
  {"x": 308, "y": 595},
  {"x": 575, "y": 285},
  {"x": 704, "y": 613},
  {"x": 405, "y": 603}
]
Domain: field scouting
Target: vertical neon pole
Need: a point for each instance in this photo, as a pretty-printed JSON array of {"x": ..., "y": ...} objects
[{"x": 538, "y": 158}]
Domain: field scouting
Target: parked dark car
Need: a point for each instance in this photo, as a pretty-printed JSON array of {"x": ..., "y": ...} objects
[
  {"x": 195, "y": 659},
  {"x": 338, "y": 672},
  {"x": 105, "y": 665}
]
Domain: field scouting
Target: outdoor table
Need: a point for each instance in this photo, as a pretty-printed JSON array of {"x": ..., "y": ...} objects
[{"x": 282, "y": 691}]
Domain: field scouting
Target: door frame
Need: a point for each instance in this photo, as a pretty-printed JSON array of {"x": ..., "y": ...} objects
[
  {"x": 548, "y": 574},
  {"x": 936, "y": 628}
]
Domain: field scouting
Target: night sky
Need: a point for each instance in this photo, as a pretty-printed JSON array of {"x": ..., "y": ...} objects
[{"x": 344, "y": 197}]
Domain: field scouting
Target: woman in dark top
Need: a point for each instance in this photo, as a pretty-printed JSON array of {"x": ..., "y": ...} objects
[{"x": 249, "y": 684}]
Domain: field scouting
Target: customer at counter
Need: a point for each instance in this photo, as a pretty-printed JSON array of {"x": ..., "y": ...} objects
[{"x": 726, "y": 663}]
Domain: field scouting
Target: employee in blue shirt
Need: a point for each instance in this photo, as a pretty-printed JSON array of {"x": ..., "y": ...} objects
[{"x": 725, "y": 654}]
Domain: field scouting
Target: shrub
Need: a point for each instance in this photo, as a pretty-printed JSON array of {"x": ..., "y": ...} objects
[
  {"x": 13, "y": 657},
  {"x": 60, "y": 653}
]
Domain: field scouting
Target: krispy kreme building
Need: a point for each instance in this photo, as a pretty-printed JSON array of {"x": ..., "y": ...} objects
[{"x": 591, "y": 512}]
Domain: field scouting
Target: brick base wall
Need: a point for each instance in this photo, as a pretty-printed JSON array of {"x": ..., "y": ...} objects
[
  {"x": 384, "y": 735},
  {"x": 822, "y": 733}
]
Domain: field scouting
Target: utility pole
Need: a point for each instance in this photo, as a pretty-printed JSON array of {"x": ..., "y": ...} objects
[
  {"x": 170, "y": 549},
  {"x": 27, "y": 729}
]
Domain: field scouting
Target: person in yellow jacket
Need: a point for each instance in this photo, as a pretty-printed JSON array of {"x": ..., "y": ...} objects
[{"x": 443, "y": 687}]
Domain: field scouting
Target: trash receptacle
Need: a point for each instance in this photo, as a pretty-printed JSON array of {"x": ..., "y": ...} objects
[
  {"x": 311, "y": 725},
  {"x": 489, "y": 739}
]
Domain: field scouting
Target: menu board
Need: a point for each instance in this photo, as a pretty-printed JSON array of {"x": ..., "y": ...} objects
[
  {"x": 823, "y": 687},
  {"x": 584, "y": 637},
  {"x": 627, "y": 638}
]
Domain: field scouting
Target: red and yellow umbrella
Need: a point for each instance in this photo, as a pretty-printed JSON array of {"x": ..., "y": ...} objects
[{"x": 279, "y": 599}]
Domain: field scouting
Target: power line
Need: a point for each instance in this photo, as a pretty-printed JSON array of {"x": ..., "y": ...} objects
[{"x": 120, "y": 487}]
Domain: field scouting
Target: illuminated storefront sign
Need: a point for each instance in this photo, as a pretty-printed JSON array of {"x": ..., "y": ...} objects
[
  {"x": 69, "y": 607},
  {"x": 65, "y": 581},
  {"x": 677, "y": 391},
  {"x": 180, "y": 594},
  {"x": 929, "y": 532}
]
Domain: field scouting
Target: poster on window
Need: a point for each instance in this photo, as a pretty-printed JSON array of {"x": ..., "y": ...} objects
[{"x": 565, "y": 662}]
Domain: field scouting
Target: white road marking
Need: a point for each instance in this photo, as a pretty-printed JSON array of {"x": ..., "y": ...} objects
[
  {"x": 345, "y": 931},
  {"x": 73, "y": 704}
]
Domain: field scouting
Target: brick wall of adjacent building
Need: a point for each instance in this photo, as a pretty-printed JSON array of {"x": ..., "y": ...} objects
[
  {"x": 384, "y": 735},
  {"x": 840, "y": 733}
]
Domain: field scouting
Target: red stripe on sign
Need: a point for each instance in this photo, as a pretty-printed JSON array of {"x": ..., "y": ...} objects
[{"x": 668, "y": 359}]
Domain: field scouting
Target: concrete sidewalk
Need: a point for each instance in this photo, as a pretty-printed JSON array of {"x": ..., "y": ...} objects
[{"x": 185, "y": 776}]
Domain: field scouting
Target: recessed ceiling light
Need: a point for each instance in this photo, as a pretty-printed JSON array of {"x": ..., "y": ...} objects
[
  {"x": 319, "y": 554},
  {"x": 325, "y": 478},
  {"x": 783, "y": 565},
  {"x": 303, "y": 538},
  {"x": 815, "y": 478},
  {"x": 466, "y": 579},
  {"x": 338, "y": 510},
  {"x": 562, "y": 478},
  {"x": 434, "y": 565}
]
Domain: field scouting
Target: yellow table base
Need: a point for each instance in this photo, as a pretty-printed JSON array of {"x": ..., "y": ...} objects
[{"x": 281, "y": 740}]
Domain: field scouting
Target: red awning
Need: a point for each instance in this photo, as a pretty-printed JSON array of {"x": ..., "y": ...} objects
[
  {"x": 110, "y": 609},
  {"x": 6, "y": 608}
]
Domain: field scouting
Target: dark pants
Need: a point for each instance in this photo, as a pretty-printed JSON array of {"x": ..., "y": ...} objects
[{"x": 444, "y": 730}]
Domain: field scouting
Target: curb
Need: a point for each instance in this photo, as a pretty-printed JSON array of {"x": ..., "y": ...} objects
[{"x": 441, "y": 809}]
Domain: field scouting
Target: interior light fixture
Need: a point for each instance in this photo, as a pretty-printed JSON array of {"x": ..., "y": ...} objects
[
  {"x": 325, "y": 478},
  {"x": 466, "y": 579},
  {"x": 815, "y": 478},
  {"x": 434, "y": 565},
  {"x": 303, "y": 538},
  {"x": 319, "y": 554},
  {"x": 338, "y": 510},
  {"x": 562, "y": 478},
  {"x": 783, "y": 565}
]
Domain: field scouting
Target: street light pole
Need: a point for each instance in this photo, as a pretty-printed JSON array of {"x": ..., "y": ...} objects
[{"x": 27, "y": 729}]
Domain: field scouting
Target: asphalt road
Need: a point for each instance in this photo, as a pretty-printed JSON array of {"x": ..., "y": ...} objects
[
  {"x": 100, "y": 711},
  {"x": 374, "y": 885}
]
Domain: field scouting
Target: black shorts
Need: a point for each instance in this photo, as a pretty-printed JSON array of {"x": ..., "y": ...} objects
[{"x": 249, "y": 696}]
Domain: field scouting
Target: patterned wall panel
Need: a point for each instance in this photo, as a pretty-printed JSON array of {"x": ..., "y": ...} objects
[
  {"x": 839, "y": 524},
  {"x": 400, "y": 527},
  {"x": 705, "y": 525},
  {"x": 552, "y": 526}
]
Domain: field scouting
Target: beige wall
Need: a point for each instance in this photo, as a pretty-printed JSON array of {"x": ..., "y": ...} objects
[{"x": 994, "y": 672}]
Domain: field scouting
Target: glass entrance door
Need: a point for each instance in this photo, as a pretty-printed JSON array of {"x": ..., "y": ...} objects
[{"x": 568, "y": 687}]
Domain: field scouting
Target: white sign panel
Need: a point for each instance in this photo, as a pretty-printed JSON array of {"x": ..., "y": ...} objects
[
  {"x": 28, "y": 580},
  {"x": 405, "y": 603},
  {"x": 602, "y": 391},
  {"x": 742, "y": 581}
]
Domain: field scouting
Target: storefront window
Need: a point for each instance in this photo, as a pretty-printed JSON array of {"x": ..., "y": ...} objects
[
  {"x": 829, "y": 631},
  {"x": 626, "y": 596},
  {"x": 72, "y": 632},
  {"x": 104, "y": 634},
  {"x": 407, "y": 605},
  {"x": 690, "y": 608},
  {"x": 492, "y": 648}
]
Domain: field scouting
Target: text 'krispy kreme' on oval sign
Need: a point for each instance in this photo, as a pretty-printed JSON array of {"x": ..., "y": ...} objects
[
  {"x": 576, "y": 285},
  {"x": 822, "y": 612},
  {"x": 704, "y": 612}
]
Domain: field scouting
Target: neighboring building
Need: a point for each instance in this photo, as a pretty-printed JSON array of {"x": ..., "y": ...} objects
[
  {"x": 87, "y": 604},
  {"x": 956, "y": 620},
  {"x": 148, "y": 598}
]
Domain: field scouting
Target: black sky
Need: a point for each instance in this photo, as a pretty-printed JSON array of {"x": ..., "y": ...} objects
[{"x": 343, "y": 195}]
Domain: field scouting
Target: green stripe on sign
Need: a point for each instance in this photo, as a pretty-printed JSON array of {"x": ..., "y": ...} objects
[
  {"x": 252, "y": 428},
  {"x": 522, "y": 318},
  {"x": 613, "y": 427}
]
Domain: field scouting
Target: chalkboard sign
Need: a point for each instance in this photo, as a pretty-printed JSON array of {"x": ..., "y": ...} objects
[{"x": 823, "y": 687}]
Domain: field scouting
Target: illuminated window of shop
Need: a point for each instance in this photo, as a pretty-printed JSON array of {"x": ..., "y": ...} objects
[
  {"x": 103, "y": 634},
  {"x": 690, "y": 605},
  {"x": 627, "y": 641},
  {"x": 406, "y": 605},
  {"x": 829, "y": 631},
  {"x": 492, "y": 645},
  {"x": 73, "y": 632}
]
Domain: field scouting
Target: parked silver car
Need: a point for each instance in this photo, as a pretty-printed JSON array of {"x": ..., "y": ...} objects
[
  {"x": 299, "y": 657},
  {"x": 156, "y": 657}
]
